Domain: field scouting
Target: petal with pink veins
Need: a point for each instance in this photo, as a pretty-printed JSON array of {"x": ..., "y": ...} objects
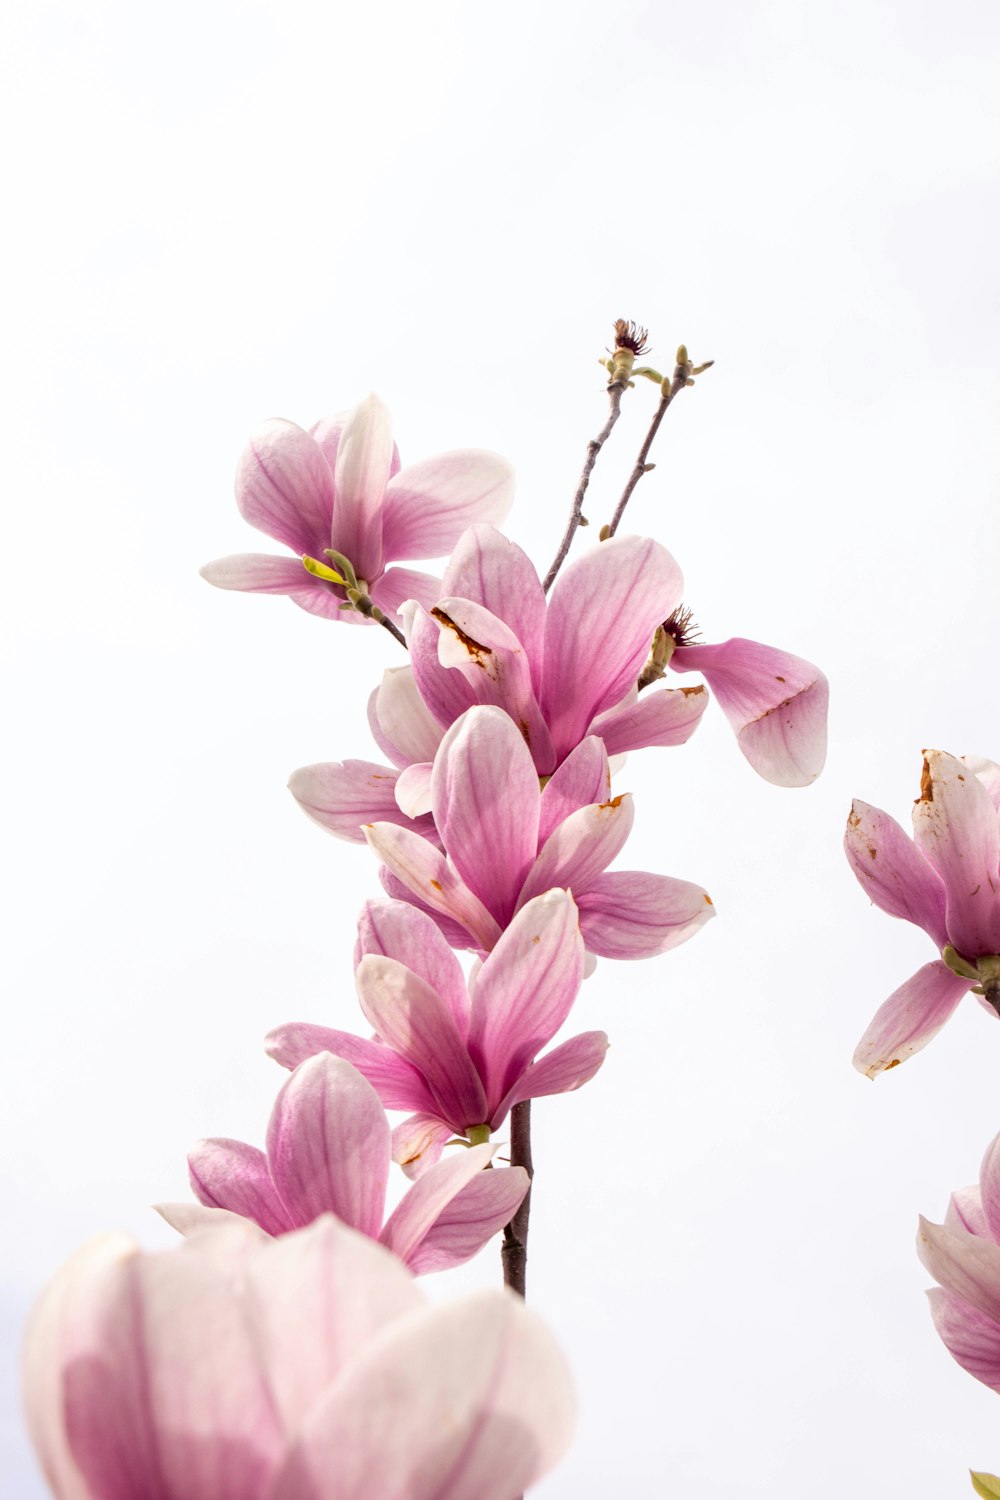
[
  {"x": 477, "y": 1213},
  {"x": 956, "y": 828},
  {"x": 892, "y": 870},
  {"x": 561, "y": 1071},
  {"x": 581, "y": 780},
  {"x": 428, "y": 505},
  {"x": 492, "y": 570},
  {"x": 910, "y": 1018},
  {"x": 262, "y": 573},
  {"x": 398, "y": 1084},
  {"x": 418, "y": 1141},
  {"x": 989, "y": 1186},
  {"x": 328, "y": 1145},
  {"x": 234, "y": 1176},
  {"x": 581, "y": 847},
  {"x": 284, "y": 487},
  {"x": 413, "y": 790},
  {"x": 445, "y": 692},
  {"x": 632, "y": 914},
  {"x": 425, "y": 871},
  {"x": 192, "y": 1218},
  {"x": 988, "y": 772},
  {"x": 965, "y": 1211},
  {"x": 964, "y": 1264},
  {"x": 667, "y": 717},
  {"x": 442, "y": 1190},
  {"x": 400, "y": 721},
  {"x": 398, "y": 930},
  {"x": 342, "y": 796},
  {"x": 397, "y": 585},
  {"x": 364, "y": 455},
  {"x": 454, "y": 934},
  {"x": 971, "y": 1338}
]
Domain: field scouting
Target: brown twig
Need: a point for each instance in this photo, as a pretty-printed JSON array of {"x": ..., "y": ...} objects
[
  {"x": 514, "y": 1253},
  {"x": 615, "y": 389}
]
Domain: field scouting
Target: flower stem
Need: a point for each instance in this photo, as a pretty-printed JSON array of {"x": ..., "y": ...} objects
[
  {"x": 992, "y": 993},
  {"x": 514, "y": 1253},
  {"x": 615, "y": 389},
  {"x": 679, "y": 381}
]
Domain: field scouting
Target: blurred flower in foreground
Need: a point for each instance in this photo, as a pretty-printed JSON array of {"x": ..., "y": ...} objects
[
  {"x": 329, "y": 1151},
  {"x": 963, "y": 1255},
  {"x": 339, "y": 486},
  {"x": 303, "y": 1368},
  {"x": 945, "y": 880}
]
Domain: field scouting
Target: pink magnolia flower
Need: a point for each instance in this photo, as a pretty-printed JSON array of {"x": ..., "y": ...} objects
[
  {"x": 328, "y": 1151},
  {"x": 963, "y": 1254},
  {"x": 340, "y": 486},
  {"x": 304, "y": 1368},
  {"x": 947, "y": 881},
  {"x": 776, "y": 704},
  {"x": 461, "y": 1061},
  {"x": 507, "y": 842}
]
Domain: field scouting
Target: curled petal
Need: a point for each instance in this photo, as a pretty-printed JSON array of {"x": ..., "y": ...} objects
[
  {"x": 446, "y": 692},
  {"x": 429, "y": 505},
  {"x": 956, "y": 828},
  {"x": 669, "y": 716},
  {"x": 631, "y": 914},
  {"x": 909, "y": 1019},
  {"x": 399, "y": 719},
  {"x": 413, "y": 790},
  {"x": 892, "y": 870},
  {"x": 492, "y": 570}
]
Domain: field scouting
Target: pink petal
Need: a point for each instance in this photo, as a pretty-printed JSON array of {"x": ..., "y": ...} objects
[
  {"x": 327, "y": 434},
  {"x": 261, "y": 573},
  {"x": 964, "y": 1264},
  {"x": 667, "y": 717},
  {"x": 893, "y": 872},
  {"x": 231, "y": 1175},
  {"x": 487, "y": 1363},
  {"x": 400, "y": 931},
  {"x": 603, "y": 610},
  {"x": 398, "y": 1084},
  {"x": 566, "y": 1068},
  {"x": 965, "y": 1211},
  {"x": 428, "y": 505},
  {"x": 453, "y": 933},
  {"x": 328, "y": 1145},
  {"x": 397, "y": 585},
  {"x": 412, "y": 1018},
  {"x": 581, "y": 847},
  {"x": 440, "y": 1200},
  {"x": 194, "y": 1218},
  {"x": 776, "y": 703},
  {"x": 418, "y": 1143},
  {"x": 970, "y": 1337},
  {"x": 488, "y": 568},
  {"x": 474, "y": 1216},
  {"x": 400, "y": 721},
  {"x": 486, "y": 803},
  {"x": 426, "y": 872},
  {"x": 364, "y": 455},
  {"x": 284, "y": 487},
  {"x": 910, "y": 1017},
  {"x": 955, "y": 826},
  {"x": 631, "y": 914},
  {"x": 525, "y": 990},
  {"x": 413, "y": 790},
  {"x": 445, "y": 692},
  {"x": 582, "y": 779},
  {"x": 341, "y": 796},
  {"x": 989, "y": 1184},
  {"x": 987, "y": 772}
]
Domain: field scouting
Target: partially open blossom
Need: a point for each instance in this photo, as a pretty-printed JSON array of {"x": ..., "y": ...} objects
[
  {"x": 776, "y": 703},
  {"x": 339, "y": 486},
  {"x": 461, "y": 1061},
  {"x": 945, "y": 880},
  {"x": 963, "y": 1255},
  {"x": 305, "y": 1368},
  {"x": 328, "y": 1151}
]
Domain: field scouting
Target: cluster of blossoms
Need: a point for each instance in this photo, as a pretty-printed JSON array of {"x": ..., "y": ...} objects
[{"x": 277, "y": 1352}]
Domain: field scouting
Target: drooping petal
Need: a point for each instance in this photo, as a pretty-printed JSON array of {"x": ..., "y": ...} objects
[
  {"x": 669, "y": 716},
  {"x": 398, "y": 1084},
  {"x": 492, "y": 570},
  {"x": 328, "y": 1145},
  {"x": 582, "y": 779},
  {"x": 441, "y": 1194},
  {"x": 231, "y": 1175},
  {"x": 425, "y": 871},
  {"x": 910, "y": 1017},
  {"x": 260, "y": 573},
  {"x": 602, "y": 613},
  {"x": 400, "y": 721},
  {"x": 428, "y": 505},
  {"x": 776, "y": 703},
  {"x": 284, "y": 487},
  {"x": 581, "y": 847},
  {"x": 632, "y": 914},
  {"x": 566, "y": 1068},
  {"x": 412, "y": 1018},
  {"x": 398, "y": 930},
  {"x": 956, "y": 828},
  {"x": 397, "y": 585},
  {"x": 364, "y": 455},
  {"x": 486, "y": 804},
  {"x": 965, "y": 1264},
  {"x": 341, "y": 796},
  {"x": 971, "y": 1338},
  {"x": 893, "y": 872},
  {"x": 417, "y": 1143},
  {"x": 525, "y": 990},
  {"x": 467, "y": 1401}
]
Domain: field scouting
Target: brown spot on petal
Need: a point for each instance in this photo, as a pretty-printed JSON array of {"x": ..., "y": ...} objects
[
  {"x": 475, "y": 650},
  {"x": 522, "y": 725},
  {"x": 613, "y": 803},
  {"x": 537, "y": 938},
  {"x": 437, "y": 885},
  {"x": 894, "y": 1064},
  {"x": 709, "y": 899},
  {"x": 779, "y": 679},
  {"x": 692, "y": 692},
  {"x": 926, "y": 784}
]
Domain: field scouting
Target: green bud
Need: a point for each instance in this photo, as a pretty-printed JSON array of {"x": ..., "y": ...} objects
[
  {"x": 478, "y": 1135},
  {"x": 959, "y": 965},
  {"x": 987, "y": 1485},
  {"x": 320, "y": 570}
]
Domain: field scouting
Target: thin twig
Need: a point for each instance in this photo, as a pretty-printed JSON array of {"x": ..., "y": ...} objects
[
  {"x": 992, "y": 993},
  {"x": 679, "y": 381},
  {"x": 594, "y": 447},
  {"x": 366, "y": 607},
  {"x": 514, "y": 1253}
]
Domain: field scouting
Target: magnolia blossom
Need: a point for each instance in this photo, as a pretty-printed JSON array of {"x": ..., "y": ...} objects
[
  {"x": 305, "y": 1368},
  {"x": 340, "y": 486},
  {"x": 963, "y": 1255},
  {"x": 328, "y": 1151},
  {"x": 776, "y": 703},
  {"x": 460, "y": 1060},
  {"x": 507, "y": 842},
  {"x": 945, "y": 880}
]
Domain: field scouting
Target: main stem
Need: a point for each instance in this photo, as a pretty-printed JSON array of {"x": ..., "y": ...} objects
[
  {"x": 679, "y": 381},
  {"x": 515, "y": 1236},
  {"x": 594, "y": 447},
  {"x": 992, "y": 994}
]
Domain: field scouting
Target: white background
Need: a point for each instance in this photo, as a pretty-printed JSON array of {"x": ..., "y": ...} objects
[{"x": 220, "y": 212}]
